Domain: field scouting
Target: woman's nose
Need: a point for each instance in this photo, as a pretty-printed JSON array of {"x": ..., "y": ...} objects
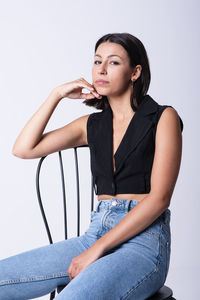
[
  {"x": 102, "y": 69},
  {"x": 103, "y": 72}
]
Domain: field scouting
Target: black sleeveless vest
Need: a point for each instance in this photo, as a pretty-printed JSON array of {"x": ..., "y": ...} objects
[{"x": 133, "y": 157}]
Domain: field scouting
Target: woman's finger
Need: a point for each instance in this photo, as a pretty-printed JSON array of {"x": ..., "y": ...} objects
[
  {"x": 90, "y": 86},
  {"x": 86, "y": 85},
  {"x": 90, "y": 96},
  {"x": 87, "y": 96}
]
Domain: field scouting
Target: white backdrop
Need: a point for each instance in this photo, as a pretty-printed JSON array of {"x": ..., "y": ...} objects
[{"x": 47, "y": 43}]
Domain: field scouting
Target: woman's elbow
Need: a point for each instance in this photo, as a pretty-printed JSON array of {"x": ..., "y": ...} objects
[{"x": 20, "y": 154}]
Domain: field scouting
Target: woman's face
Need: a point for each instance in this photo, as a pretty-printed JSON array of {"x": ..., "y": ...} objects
[{"x": 111, "y": 63}]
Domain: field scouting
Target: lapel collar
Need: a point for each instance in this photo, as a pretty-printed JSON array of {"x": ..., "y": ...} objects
[{"x": 139, "y": 125}]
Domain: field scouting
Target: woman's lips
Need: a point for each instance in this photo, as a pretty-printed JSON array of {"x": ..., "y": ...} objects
[{"x": 101, "y": 82}]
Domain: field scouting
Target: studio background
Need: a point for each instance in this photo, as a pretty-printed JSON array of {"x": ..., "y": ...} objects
[{"x": 47, "y": 43}]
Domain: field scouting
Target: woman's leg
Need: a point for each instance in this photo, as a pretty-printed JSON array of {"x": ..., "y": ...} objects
[
  {"x": 135, "y": 269},
  {"x": 39, "y": 271}
]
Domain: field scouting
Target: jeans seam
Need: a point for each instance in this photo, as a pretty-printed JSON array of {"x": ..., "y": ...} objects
[
  {"x": 35, "y": 278},
  {"x": 156, "y": 235},
  {"x": 99, "y": 232},
  {"x": 147, "y": 276},
  {"x": 84, "y": 242},
  {"x": 139, "y": 283},
  {"x": 165, "y": 228}
]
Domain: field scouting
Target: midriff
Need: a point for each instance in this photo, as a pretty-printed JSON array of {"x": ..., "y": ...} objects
[{"x": 138, "y": 197}]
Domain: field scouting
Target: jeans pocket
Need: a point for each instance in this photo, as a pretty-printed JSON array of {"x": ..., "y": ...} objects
[
  {"x": 112, "y": 218},
  {"x": 153, "y": 229}
]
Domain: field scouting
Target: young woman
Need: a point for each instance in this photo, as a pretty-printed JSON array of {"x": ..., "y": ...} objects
[{"x": 135, "y": 146}]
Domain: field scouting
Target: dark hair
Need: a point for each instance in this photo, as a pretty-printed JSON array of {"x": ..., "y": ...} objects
[{"x": 137, "y": 55}]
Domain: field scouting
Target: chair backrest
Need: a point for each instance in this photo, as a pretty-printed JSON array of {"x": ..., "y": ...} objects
[{"x": 63, "y": 193}]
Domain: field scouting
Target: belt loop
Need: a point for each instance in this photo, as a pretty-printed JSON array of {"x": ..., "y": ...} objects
[{"x": 164, "y": 216}]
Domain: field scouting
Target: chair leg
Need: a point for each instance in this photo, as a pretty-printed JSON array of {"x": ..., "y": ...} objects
[{"x": 52, "y": 296}]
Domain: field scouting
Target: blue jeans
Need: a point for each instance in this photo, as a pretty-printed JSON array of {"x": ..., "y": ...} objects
[{"x": 135, "y": 269}]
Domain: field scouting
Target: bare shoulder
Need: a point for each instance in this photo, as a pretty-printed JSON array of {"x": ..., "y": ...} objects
[
  {"x": 169, "y": 119},
  {"x": 82, "y": 123},
  {"x": 168, "y": 152}
]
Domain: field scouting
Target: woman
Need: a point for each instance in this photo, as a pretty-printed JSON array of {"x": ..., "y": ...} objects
[{"x": 136, "y": 147}]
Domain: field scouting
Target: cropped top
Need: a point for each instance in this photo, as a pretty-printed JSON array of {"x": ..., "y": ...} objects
[{"x": 134, "y": 156}]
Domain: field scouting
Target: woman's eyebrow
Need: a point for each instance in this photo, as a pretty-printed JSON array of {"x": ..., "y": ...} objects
[{"x": 109, "y": 55}]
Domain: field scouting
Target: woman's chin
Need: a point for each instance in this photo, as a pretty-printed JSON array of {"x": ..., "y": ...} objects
[
  {"x": 102, "y": 92},
  {"x": 101, "y": 89}
]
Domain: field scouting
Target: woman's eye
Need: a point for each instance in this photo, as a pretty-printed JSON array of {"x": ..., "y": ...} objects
[
  {"x": 97, "y": 61},
  {"x": 115, "y": 62}
]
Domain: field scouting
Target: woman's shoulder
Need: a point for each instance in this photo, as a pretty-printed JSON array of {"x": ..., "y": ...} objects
[
  {"x": 169, "y": 114},
  {"x": 85, "y": 122}
]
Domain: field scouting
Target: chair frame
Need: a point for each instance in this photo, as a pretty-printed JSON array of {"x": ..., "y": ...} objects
[{"x": 164, "y": 292}]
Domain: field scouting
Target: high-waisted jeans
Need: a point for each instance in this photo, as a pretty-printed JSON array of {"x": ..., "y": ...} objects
[{"x": 135, "y": 269}]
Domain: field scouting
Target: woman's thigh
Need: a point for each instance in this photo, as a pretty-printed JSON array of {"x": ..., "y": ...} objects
[
  {"x": 136, "y": 269},
  {"x": 123, "y": 274},
  {"x": 39, "y": 271}
]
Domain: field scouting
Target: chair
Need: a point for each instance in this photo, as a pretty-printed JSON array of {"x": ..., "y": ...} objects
[{"x": 163, "y": 293}]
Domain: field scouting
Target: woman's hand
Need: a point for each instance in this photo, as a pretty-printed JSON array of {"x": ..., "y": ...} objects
[
  {"x": 80, "y": 262},
  {"x": 74, "y": 88}
]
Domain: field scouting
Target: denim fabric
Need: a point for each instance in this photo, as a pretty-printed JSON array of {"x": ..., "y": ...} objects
[{"x": 135, "y": 269}]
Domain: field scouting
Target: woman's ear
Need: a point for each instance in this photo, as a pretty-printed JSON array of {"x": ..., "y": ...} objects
[{"x": 136, "y": 73}]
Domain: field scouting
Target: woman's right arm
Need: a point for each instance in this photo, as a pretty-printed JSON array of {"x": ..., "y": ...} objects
[{"x": 32, "y": 143}]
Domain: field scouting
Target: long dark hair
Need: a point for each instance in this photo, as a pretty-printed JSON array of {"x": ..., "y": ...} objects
[{"x": 138, "y": 56}]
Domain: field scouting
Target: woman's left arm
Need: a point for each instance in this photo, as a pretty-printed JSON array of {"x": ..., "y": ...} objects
[{"x": 165, "y": 169}]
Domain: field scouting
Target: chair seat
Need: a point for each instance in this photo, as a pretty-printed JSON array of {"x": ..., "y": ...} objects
[
  {"x": 164, "y": 293},
  {"x": 60, "y": 288}
]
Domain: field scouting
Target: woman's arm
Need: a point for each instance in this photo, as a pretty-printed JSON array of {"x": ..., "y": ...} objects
[
  {"x": 31, "y": 134},
  {"x": 166, "y": 164},
  {"x": 32, "y": 143}
]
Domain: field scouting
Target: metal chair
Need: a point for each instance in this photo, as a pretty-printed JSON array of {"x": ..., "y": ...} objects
[{"x": 163, "y": 293}]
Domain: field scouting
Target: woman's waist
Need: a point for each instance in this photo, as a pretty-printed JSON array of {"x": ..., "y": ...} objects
[{"x": 137, "y": 197}]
